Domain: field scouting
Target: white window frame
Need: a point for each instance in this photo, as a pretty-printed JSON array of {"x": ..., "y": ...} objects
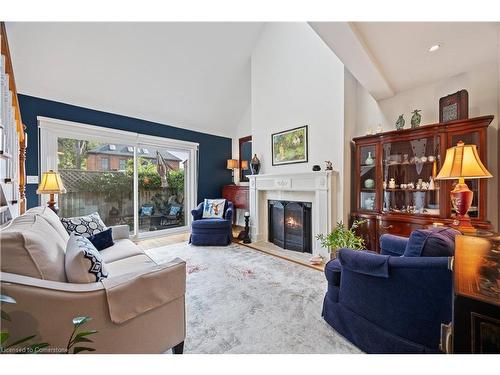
[{"x": 51, "y": 129}]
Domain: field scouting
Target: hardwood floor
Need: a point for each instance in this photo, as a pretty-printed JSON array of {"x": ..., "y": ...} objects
[
  {"x": 264, "y": 247},
  {"x": 162, "y": 241}
]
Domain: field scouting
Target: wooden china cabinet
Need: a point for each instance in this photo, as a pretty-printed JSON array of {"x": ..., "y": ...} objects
[{"x": 395, "y": 189}]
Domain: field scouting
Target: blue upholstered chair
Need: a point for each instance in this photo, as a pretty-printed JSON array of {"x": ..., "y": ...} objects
[
  {"x": 396, "y": 301},
  {"x": 211, "y": 232}
]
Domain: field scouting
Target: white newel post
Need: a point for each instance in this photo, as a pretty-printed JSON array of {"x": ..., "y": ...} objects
[{"x": 315, "y": 187}]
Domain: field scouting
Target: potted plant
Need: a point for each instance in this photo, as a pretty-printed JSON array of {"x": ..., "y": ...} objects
[{"x": 342, "y": 237}]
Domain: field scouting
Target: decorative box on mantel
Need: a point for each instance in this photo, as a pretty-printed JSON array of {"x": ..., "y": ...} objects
[{"x": 318, "y": 188}]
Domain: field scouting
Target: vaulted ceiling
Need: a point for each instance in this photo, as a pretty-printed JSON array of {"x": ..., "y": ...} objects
[
  {"x": 390, "y": 57},
  {"x": 197, "y": 75},
  {"x": 191, "y": 75}
]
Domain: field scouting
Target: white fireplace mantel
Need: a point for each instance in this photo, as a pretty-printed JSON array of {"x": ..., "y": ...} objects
[{"x": 315, "y": 187}]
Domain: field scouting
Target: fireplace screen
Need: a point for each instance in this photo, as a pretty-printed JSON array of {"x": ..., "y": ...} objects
[{"x": 290, "y": 225}]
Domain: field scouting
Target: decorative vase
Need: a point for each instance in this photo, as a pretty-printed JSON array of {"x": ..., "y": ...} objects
[
  {"x": 255, "y": 164},
  {"x": 369, "y": 159},
  {"x": 416, "y": 118},
  {"x": 400, "y": 123},
  {"x": 316, "y": 168},
  {"x": 369, "y": 183}
]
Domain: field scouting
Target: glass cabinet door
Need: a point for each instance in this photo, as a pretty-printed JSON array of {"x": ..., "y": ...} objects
[
  {"x": 367, "y": 178},
  {"x": 409, "y": 169}
]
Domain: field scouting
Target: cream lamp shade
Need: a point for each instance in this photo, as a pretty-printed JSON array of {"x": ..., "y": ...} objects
[
  {"x": 462, "y": 162},
  {"x": 232, "y": 164},
  {"x": 244, "y": 165},
  {"x": 51, "y": 184}
]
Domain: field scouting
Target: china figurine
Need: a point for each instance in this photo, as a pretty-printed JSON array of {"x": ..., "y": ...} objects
[
  {"x": 419, "y": 184},
  {"x": 432, "y": 186},
  {"x": 416, "y": 118},
  {"x": 392, "y": 184},
  {"x": 328, "y": 166},
  {"x": 400, "y": 123},
  {"x": 369, "y": 159}
]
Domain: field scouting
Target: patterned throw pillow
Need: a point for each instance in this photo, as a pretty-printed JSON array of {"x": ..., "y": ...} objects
[
  {"x": 174, "y": 210},
  {"x": 83, "y": 262},
  {"x": 85, "y": 226},
  {"x": 213, "y": 208}
]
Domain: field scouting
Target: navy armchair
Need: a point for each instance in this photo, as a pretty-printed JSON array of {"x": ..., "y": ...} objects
[
  {"x": 212, "y": 232},
  {"x": 390, "y": 302}
]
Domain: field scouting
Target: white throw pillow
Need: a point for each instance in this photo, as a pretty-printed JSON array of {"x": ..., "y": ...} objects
[
  {"x": 83, "y": 263},
  {"x": 213, "y": 208},
  {"x": 85, "y": 226}
]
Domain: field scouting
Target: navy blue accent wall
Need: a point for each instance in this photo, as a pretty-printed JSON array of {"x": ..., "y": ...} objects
[{"x": 213, "y": 150}]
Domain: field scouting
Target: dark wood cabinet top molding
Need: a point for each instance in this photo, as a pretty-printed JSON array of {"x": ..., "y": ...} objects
[{"x": 457, "y": 125}]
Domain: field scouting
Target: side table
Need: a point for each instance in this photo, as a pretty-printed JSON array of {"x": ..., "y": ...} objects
[{"x": 476, "y": 295}]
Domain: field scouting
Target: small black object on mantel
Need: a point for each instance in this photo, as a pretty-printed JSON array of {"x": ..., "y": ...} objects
[
  {"x": 316, "y": 168},
  {"x": 247, "y": 228}
]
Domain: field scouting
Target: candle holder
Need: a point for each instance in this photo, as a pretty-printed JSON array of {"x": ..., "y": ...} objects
[{"x": 246, "y": 239}]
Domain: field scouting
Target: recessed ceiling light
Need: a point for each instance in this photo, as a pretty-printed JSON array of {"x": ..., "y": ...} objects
[{"x": 435, "y": 47}]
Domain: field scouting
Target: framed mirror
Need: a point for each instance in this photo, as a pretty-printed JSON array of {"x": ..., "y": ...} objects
[{"x": 245, "y": 157}]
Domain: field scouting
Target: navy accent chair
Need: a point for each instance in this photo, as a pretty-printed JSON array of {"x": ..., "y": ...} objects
[
  {"x": 212, "y": 232},
  {"x": 388, "y": 302}
]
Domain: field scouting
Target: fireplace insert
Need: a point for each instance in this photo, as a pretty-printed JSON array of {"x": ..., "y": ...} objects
[{"x": 290, "y": 225}]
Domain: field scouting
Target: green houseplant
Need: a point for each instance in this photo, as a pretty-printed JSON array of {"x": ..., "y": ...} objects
[
  {"x": 341, "y": 236},
  {"x": 78, "y": 336}
]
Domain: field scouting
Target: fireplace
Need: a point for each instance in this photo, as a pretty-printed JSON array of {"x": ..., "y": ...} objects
[{"x": 290, "y": 225}]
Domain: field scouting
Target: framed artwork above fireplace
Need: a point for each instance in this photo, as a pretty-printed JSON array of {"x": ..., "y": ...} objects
[{"x": 290, "y": 146}]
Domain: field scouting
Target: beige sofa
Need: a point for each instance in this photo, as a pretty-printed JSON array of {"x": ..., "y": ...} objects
[{"x": 139, "y": 308}]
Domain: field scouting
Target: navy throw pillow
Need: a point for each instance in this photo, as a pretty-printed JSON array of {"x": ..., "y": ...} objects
[
  {"x": 102, "y": 240},
  {"x": 434, "y": 242}
]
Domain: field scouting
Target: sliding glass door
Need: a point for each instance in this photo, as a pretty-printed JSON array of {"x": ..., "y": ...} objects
[
  {"x": 161, "y": 185},
  {"x": 145, "y": 182},
  {"x": 98, "y": 177}
]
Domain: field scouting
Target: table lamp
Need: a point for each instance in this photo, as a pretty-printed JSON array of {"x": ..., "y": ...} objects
[
  {"x": 51, "y": 184},
  {"x": 232, "y": 164},
  {"x": 462, "y": 162}
]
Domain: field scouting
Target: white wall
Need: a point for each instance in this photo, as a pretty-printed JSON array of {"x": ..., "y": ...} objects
[
  {"x": 243, "y": 129},
  {"x": 362, "y": 115},
  {"x": 297, "y": 80}
]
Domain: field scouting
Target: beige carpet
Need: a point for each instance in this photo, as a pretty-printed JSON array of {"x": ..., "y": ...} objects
[{"x": 239, "y": 300}]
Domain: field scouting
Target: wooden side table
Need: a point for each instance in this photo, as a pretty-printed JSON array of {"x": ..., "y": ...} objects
[
  {"x": 237, "y": 194},
  {"x": 476, "y": 300}
]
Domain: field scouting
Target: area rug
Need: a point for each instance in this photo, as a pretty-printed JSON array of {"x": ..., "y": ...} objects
[{"x": 239, "y": 300}]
